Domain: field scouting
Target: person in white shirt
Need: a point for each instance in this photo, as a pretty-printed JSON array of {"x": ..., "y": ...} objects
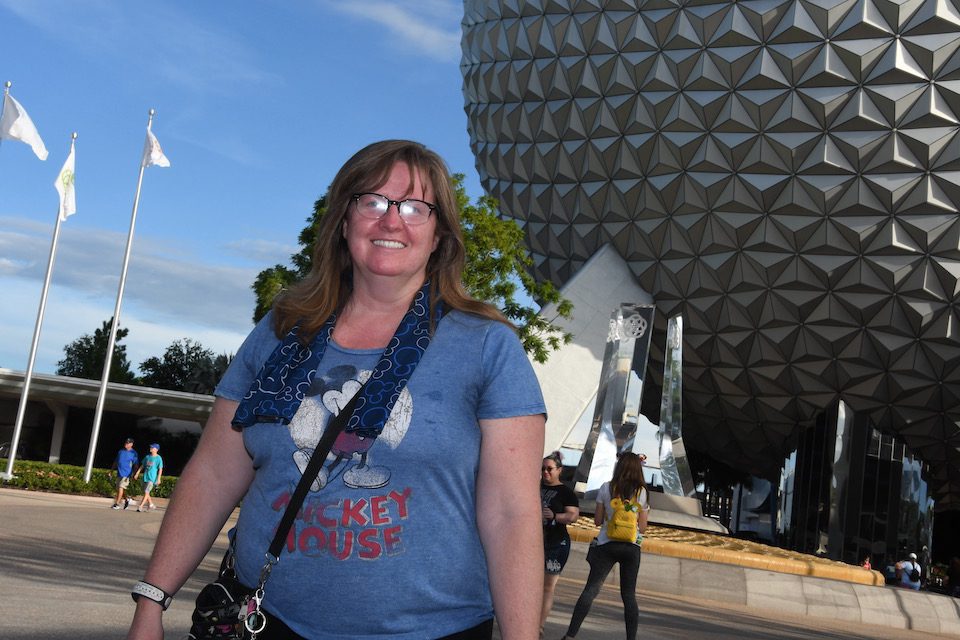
[
  {"x": 628, "y": 489},
  {"x": 906, "y": 569}
]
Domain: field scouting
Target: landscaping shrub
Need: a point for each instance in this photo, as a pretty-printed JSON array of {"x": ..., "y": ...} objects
[{"x": 68, "y": 478}]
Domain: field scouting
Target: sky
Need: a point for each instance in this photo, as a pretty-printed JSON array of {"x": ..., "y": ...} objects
[{"x": 258, "y": 103}]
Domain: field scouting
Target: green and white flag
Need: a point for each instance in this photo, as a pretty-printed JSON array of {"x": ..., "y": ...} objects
[
  {"x": 15, "y": 124},
  {"x": 64, "y": 185}
]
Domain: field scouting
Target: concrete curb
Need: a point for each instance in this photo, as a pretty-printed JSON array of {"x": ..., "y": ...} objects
[
  {"x": 814, "y": 567},
  {"x": 792, "y": 593}
]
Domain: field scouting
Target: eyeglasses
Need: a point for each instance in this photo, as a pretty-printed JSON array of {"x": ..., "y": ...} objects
[
  {"x": 549, "y": 469},
  {"x": 374, "y": 206}
]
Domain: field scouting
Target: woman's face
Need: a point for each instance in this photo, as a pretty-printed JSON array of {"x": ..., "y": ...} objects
[
  {"x": 550, "y": 471},
  {"x": 387, "y": 247}
]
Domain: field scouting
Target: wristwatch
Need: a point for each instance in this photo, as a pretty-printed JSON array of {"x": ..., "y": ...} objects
[{"x": 151, "y": 592}]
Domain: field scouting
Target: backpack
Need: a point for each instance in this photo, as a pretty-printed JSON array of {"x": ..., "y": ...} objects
[
  {"x": 622, "y": 525},
  {"x": 915, "y": 574}
]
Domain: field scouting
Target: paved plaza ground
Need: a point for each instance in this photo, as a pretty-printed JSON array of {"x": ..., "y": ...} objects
[{"x": 67, "y": 565}]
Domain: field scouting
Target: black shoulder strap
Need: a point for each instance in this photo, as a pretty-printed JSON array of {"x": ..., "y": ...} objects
[{"x": 334, "y": 428}]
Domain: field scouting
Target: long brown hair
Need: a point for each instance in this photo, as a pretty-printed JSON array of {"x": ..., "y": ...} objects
[
  {"x": 627, "y": 477},
  {"x": 330, "y": 282}
]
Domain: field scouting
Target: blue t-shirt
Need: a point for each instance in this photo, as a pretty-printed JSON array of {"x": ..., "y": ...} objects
[
  {"x": 388, "y": 546},
  {"x": 907, "y": 566},
  {"x": 151, "y": 467},
  {"x": 126, "y": 460}
]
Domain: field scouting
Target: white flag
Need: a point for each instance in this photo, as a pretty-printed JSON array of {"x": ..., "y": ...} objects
[
  {"x": 64, "y": 186},
  {"x": 152, "y": 153},
  {"x": 15, "y": 124}
]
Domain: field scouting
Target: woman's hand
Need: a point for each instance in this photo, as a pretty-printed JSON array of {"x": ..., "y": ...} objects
[
  {"x": 147, "y": 622},
  {"x": 569, "y": 515},
  {"x": 643, "y": 519},
  {"x": 547, "y": 514}
]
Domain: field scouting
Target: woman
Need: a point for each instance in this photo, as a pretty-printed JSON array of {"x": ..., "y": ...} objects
[
  {"x": 560, "y": 508},
  {"x": 420, "y": 527},
  {"x": 627, "y": 485}
]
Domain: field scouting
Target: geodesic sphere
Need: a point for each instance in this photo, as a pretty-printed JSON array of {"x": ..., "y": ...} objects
[{"x": 784, "y": 174}]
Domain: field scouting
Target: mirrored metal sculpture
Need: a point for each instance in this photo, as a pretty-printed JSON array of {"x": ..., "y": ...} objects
[
  {"x": 839, "y": 479},
  {"x": 677, "y": 479},
  {"x": 612, "y": 430}
]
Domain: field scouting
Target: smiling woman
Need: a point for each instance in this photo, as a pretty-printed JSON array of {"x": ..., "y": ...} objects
[{"x": 380, "y": 323}]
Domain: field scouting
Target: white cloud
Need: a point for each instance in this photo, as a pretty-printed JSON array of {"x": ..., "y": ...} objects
[
  {"x": 160, "y": 277},
  {"x": 168, "y": 294},
  {"x": 7, "y": 266},
  {"x": 429, "y": 27},
  {"x": 71, "y": 314}
]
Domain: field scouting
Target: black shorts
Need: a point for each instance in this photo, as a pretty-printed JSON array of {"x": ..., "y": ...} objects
[{"x": 555, "y": 557}]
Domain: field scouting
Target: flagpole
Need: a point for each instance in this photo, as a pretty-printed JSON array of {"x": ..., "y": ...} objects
[
  {"x": 105, "y": 378},
  {"x": 6, "y": 90},
  {"x": 22, "y": 409}
]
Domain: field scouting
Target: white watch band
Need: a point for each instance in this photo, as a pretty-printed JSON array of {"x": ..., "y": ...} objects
[{"x": 151, "y": 592}]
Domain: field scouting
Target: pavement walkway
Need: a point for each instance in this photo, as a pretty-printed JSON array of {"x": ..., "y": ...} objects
[{"x": 67, "y": 564}]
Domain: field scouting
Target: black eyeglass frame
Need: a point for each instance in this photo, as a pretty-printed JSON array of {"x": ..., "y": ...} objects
[{"x": 432, "y": 208}]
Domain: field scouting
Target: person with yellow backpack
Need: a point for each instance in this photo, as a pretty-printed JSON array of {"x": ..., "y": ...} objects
[{"x": 621, "y": 513}]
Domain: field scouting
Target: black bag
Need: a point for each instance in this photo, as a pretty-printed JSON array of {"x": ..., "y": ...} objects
[
  {"x": 217, "y": 612},
  {"x": 915, "y": 574},
  {"x": 226, "y": 609}
]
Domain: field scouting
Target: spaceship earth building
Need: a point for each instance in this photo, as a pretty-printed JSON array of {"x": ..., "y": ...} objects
[{"x": 783, "y": 173}]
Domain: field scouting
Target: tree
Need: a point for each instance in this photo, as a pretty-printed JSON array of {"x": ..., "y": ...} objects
[
  {"x": 497, "y": 271},
  {"x": 204, "y": 378},
  {"x": 83, "y": 358},
  {"x": 498, "y": 268},
  {"x": 175, "y": 370}
]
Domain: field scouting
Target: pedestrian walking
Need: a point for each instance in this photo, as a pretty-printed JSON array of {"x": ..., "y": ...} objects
[
  {"x": 152, "y": 468},
  {"x": 124, "y": 464},
  {"x": 621, "y": 513}
]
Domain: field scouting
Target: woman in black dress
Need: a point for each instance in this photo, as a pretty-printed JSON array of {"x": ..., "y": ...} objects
[{"x": 560, "y": 508}]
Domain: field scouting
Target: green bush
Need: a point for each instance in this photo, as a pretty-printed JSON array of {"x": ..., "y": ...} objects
[{"x": 68, "y": 478}]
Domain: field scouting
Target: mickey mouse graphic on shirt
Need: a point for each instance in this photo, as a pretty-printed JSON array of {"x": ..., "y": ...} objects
[{"x": 350, "y": 453}]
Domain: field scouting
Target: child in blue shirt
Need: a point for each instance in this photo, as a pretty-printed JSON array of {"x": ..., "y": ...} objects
[{"x": 152, "y": 469}]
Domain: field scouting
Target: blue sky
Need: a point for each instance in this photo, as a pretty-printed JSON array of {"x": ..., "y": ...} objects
[{"x": 258, "y": 104}]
